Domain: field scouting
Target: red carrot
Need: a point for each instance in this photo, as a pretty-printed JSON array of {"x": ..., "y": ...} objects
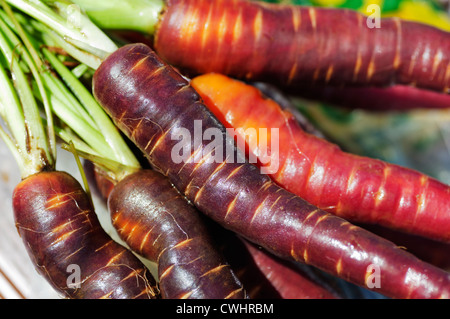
[
  {"x": 286, "y": 44},
  {"x": 285, "y": 278},
  {"x": 154, "y": 105},
  {"x": 266, "y": 276},
  {"x": 360, "y": 189},
  {"x": 301, "y": 45}
]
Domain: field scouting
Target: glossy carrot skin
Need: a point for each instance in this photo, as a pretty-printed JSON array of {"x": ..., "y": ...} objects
[
  {"x": 62, "y": 235},
  {"x": 295, "y": 45},
  {"x": 360, "y": 189},
  {"x": 149, "y": 101},
  {"x": 266, "y": 276},
  {"x": 157, "y": 222}
]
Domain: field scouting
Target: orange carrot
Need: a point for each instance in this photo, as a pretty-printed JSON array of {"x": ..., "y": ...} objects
[{"x": 360, "y": 189}]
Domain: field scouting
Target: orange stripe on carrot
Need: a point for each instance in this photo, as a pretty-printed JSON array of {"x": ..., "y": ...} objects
[
  {"x": 60, "y": 199},
  {"x": 296, "y": 18},
  {"x": 182, "y": 243},
  {"x": 258, "y": 25},
  {"x": 187, "y": 295},
  {"x": 223, "y": 27},
  {"x": 381, "y": 194},
  {"x": 292, "y": 73},
  {"x": 137, "y": 64},
  {"x": 205, "y": 31},
  {"x": 166, "y": 272},
  {"x": 313, "y": 17},
  {"x": 105, "y": 245},
  {"x": 231, "y": 206},
  {"x": 339, "y": 266},
  {"x": 116, "y": 257},
  {"x": 258, "y": 210},
  {"x": 358, "y": 61},
  {"x": 145, "y": 239},
  {"x": 213, "y": 270},
  {"x": 234, "y": 293},
  {"x": 64, "y": 236},
  {"x": 189, "y": 27},
  {"x": 436, "y": 61},
  {"x": 398, "y": 48},
  {"x": 329, "y": 73},
  {"x": 237, "y": 30},
  {"x": 234, "y": 172}
]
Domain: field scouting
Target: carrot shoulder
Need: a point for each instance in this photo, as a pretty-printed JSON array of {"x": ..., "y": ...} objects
[
  {"x": 297, "y": 45},
  {"x": 360, "y": 189},
  {"x": 153, "y": 105}
]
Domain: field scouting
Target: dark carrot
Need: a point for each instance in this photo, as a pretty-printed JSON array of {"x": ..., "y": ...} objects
[
  {"x": 156, "y": 222},
  {"x": 360, "y": 189},
  {"x": 431, "y": 251},
  {"x": 264, "y": 276},
  {"x": 153, "y": 105},
  {"x": 301, "y": 45},
  {"x": 151, "y": 216},
  {"x": 65, "y": 240}
]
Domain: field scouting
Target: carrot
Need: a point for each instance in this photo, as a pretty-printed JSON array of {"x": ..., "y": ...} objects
[
  {"x": 154, "y": 105},
  {"x": 360, "y": 189},
  {"x": 65, "y": 240},
  {"x": 152, "y": 217},
  {"x": 266, "y": 276},
  {"x": 294, "y": 44},
  {"x": 393, "y": 98},
  {"x": 156, "y": 222},
  {"x": 53, "y": 213},
  {"x": 286, "y": 278},
  {"x": 285, "y": 44}
]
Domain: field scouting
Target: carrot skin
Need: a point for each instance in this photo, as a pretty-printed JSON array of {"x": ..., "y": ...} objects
[
  {"x": 357, "y": 188},
  {"x": 157, "y": 222},
  {"x": 59, "y": 228},
  {"x": 296, "y": 45},
  {"x": 266, "y": 276},
  {"x": 148, "y": 101}
]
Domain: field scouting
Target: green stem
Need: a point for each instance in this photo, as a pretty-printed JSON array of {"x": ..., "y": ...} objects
[
  {"x": 120, "y": 149},
  {"x": 136, "y": 15},
  {"x": 81, "y": 29},
  {"x": 36, "y": 155},
  {"x": 36, "y": 66},
  {"x": 11, "y": 110}
]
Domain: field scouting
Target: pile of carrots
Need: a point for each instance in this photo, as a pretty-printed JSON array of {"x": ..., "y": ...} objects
[{"x": 190, "y": 217}]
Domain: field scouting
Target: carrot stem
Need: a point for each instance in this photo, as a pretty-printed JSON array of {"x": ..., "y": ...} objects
[{"x": 136, "y": 15}]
